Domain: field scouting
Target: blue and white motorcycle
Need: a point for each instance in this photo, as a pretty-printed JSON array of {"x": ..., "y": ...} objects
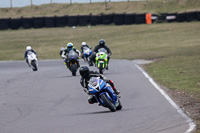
[
  {"x": 104, "y": 94},
  {"x": 87, "y": 52}
]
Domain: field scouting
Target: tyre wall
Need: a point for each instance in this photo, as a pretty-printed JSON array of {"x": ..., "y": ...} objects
[
  {"x": 38, "y": 22},
  {"x": 119, "y": 19},
  {"x": 73, "y": 20},
  {"x": 84, "y": 20},
  {"x": 105, "y": 19},
  {"x": 4, "y": 23},
  {"x": 96, "y": 19},
  {"x": 27, "y": 23},
  {"x": 129, "y": 19},
  {"x": 50, "y": 22},
  {"x": 140, "y": 18},
  {"x": 15, "y": 23},
  {"x": 61, "y": 21}
]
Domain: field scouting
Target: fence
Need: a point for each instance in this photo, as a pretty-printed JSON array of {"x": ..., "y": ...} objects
[{"x": 103, "y": 19}]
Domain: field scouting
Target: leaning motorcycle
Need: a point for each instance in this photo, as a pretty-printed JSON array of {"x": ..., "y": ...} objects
[
  {"x": 73, "y": 59},
  {"x": 101, "y": 60},
  {"x": 87, "y": 52},
  {"x": 104, "y": 94},
  {"x": 32, "y": 60}
]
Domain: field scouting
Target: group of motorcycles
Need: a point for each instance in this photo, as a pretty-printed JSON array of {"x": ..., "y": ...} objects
[
  {"x": 101, "y": 60},
  {"x": 102, "y": 91}
]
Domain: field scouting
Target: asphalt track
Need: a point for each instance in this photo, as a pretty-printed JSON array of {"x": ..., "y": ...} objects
[{"x": 52, "y": 101}]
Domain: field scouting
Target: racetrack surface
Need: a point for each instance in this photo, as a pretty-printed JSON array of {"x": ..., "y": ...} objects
[{"x": 51, "y": 100}]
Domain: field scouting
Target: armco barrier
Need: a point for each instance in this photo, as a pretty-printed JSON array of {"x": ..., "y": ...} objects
[
  {"x": 15, "y": 23},
  {"x": 107, "y": 19},
  {"x": 61, "y": 21},
  {"x": 73, "y": 20},
  {"x": 181, "y": 17},
  {"x": 140, "y": 18},
  {"x": 84, "y": 20},
  {"x": 50, "y": 22},
  {"x": 27, "y": 23},
  {"x": 4, "y": 23},
  {"x": 191, "y": 16},
  {"x": 95, "y": 19},
  {"x": 119, "y": 19},
  {"x": 38, "y": 22}
]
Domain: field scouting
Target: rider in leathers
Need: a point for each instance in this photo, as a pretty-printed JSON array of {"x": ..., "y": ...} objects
[
  {"x": 69, "y": 47},
  {"x": 100, "y": 45},
  {"x": 86, "y": 74},
  {"x": 29, "y": 49}
]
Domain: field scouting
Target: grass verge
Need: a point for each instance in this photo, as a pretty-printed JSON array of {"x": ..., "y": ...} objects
[{"x": 175, "y": 45}]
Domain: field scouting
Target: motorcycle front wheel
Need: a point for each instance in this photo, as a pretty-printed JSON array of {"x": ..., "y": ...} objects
[
  {"x": 108, "y": 103},
  {"x": 73, "y": 69}
]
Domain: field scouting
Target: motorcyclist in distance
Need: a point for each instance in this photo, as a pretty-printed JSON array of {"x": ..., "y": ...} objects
[
  {"x": 84, "y": 44},
  {"x": 100, "y": 45},
  {"x": 69, "y": 47},
  {"x": 86, "y": 74},
  {"x": 29, "y": 49},
  {"x": 61, "y": 51}
]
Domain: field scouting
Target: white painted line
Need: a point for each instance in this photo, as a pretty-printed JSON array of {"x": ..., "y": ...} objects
[{"x": 192, "y": 125}]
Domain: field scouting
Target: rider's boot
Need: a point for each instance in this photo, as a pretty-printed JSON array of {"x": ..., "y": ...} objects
[
  {"x": 117, "y": 92},
  {"x": 92, "y": 99}
]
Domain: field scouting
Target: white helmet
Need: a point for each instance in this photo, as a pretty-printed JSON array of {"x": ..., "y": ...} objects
[
  {"x": 28, "y": 48},
  {"x": 84, "y": 43}
]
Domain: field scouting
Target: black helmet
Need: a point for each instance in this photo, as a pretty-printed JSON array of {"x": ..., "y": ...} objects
[
  {"x": 102, "y": 42},
  {"x": 83, "y": 71}
]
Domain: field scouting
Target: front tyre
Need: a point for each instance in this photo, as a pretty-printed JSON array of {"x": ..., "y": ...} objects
[
  {"x": 108, "y": 103},
  {"x": 73, "y": 69},
  {"x": 101, "y": 68},
  {"x": 33, "y": 63}
]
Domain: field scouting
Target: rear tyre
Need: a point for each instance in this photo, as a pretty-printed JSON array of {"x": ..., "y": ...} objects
[
  {"x": 108, "y": 103},
  {"x": 119, "y": 107}
]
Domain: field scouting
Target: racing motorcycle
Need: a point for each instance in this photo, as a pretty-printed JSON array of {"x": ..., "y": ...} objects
[
  {"x": 32, "y": 60},
  {"x": 104, "y": 94},
  {"x": 87, "y": 52},
  {"x": 73, "y": 59},
  {"x": 101, "y": 60}
]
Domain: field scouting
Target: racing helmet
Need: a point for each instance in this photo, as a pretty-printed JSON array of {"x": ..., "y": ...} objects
[
  {"x": 28, "y": 48},
  {"x": 69, "y": 45},
  {"x": 102, "y": 42},
  {"x": 84, "y": 43},
  {"x": 84, "y": 70}
]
